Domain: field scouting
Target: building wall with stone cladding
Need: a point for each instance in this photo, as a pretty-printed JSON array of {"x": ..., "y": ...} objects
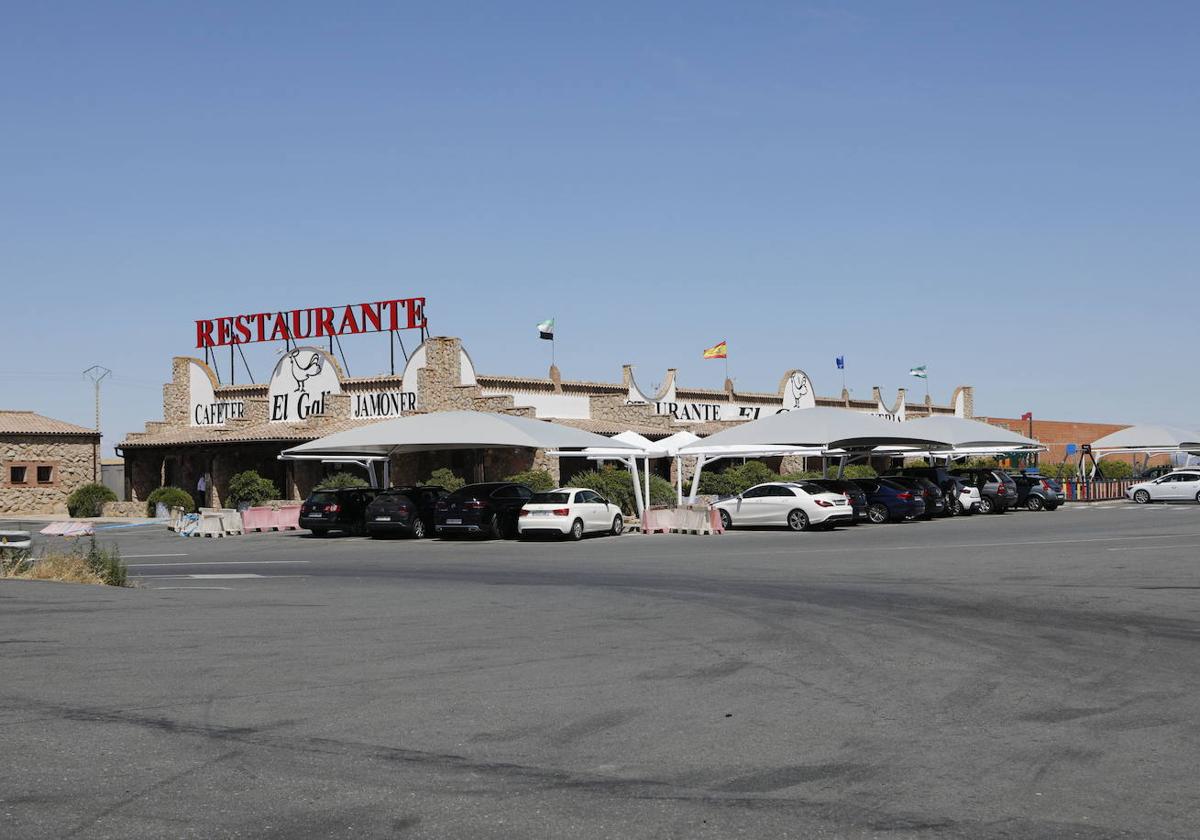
[{"x": 70, "y": 456}]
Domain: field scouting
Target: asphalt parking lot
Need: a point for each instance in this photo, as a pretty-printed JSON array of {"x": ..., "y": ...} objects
[{"x": 1026, "y": 675}]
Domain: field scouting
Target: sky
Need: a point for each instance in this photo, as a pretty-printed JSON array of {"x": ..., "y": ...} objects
[{"x": 1004, "y": 192}]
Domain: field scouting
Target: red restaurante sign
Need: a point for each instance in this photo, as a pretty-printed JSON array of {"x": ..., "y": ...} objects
[{"x": 296, "y": 324}]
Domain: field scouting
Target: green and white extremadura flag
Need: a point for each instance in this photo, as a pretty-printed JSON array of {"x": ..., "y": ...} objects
[
  {"x": 546, "y": 330},
  {"x": 919, "y": 372}
]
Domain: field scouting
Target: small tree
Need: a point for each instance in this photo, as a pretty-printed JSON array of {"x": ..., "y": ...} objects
[
  {"x": 89, "y": 499},
  {"x": 1116, "y": 469},
  {"x": 341, "y": 481},
  {"x": 443, "y": 477},
  {"x": 250, "y": 488}
]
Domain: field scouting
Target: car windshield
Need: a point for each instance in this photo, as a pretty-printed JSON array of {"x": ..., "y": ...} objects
[
  {"x": 550, "y": 498},
  {"x": 322, "y": 498}
]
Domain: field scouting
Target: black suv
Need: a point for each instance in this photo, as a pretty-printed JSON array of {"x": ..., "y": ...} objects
[
  {"x": 997, "y": 490},
  {"x": 490, "y": 509},
  {"x": 935, "y": 499},
  {"x": 336, "y": 510},
  {"x": 950, "y": 485},
  {"x": 404, "y": 510},
  {"x": 858, "y": 499},
  {"x": 1036, "y": 492}
]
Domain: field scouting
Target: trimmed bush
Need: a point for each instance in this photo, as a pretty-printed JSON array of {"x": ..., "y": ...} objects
[
  {"x": 339, "y": 481},
  {"x": 443, "y": 477},
  {"x": 171, "y": 497},
  {"x": 250, "y": 488},
  {"x": 88, "y": 499},
  {"x": 536, "y": 480}
]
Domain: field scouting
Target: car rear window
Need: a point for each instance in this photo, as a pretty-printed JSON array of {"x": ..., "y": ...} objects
[
  {"x": 323, "y": 498},
  {"x": 812, "y": 489},
  {"x": 550, "y": 498},
  {"x": 473, "y": 491}
]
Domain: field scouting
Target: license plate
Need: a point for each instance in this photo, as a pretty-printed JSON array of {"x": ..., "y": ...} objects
[
  {"x": 383, "y": 519},
  {"x": 453, "y": 521},
  {"x": 315, "y": 515},
  {"x": 543, "y": 513}
]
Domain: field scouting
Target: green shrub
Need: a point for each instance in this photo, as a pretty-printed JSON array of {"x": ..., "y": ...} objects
[
  {"x": 616, "y": 485},
  {"x": 339, "y": 481},
  {"x": 536, "y": 480},
  {"x": 171, "y": 497},
  {"x": 1062, "y": 471},
  {"x": 251, "y": 489},
  {"x": 107, "y": 564},
  {"x": 735, "y": 479},
  {"x": 444, "y": 477},
  {"x": 1116, "y": 469},
  {"x": 860, "y": 471},
  {"x": 88, "y": 499}
]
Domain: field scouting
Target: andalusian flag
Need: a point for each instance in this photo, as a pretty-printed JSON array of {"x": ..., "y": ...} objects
[
  {"x": 919, "y": 372},
  {"x": 546, "y": 330},
  {"x": 717, "y": 351}
]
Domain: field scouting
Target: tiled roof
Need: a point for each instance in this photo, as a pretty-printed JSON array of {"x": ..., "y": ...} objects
[
  {"x": 215, "y": 434},
  {"x": 28, "y": 423}
]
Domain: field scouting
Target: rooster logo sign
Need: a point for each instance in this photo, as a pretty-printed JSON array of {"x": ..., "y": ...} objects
[{"x": 304, "y": 365}]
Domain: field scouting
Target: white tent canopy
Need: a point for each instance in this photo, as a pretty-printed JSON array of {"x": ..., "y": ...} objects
[
  {"x": 1149, "y": 438},
  {"x": 972, "y": 436},
  {"x": 449, "y": 430},
  {"x": 806, "y": 431},
  {"x": 820, "y": 427}
]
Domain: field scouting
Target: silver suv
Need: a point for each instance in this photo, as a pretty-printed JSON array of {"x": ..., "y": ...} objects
[{"x": 997, "y": 490}]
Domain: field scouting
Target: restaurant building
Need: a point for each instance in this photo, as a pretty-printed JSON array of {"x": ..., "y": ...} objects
[{"x": 211, "y": 431}]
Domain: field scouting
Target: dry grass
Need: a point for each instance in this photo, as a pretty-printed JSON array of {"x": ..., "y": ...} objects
[{"x": 66, "y": 568}]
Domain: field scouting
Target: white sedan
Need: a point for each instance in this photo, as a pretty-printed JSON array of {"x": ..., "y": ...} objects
[
  {"x": 570, "y": 512},
  {"x": 794, "y": 505},
  {"x": 1173, "y": 487}
]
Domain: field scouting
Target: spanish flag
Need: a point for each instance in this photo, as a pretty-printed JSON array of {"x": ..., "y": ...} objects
[{"x": 717, "y": 351}]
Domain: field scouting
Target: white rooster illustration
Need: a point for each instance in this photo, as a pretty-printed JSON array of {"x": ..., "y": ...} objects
[{"x": 302, "y": 371}]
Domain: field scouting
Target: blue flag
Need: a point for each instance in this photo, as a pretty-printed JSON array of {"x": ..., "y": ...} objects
[{"x": 841, "y": 362}]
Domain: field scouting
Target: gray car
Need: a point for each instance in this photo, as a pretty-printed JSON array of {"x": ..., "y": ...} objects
[{"x": 997, "y": 490}]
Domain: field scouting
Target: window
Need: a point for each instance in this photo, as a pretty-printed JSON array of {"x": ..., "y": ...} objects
[
  {"x": 587, "y": 497},
  {"x": 757, "y": 492},
  {"x": 16, "y": 474},
  {"x": 45, "y": 474}
]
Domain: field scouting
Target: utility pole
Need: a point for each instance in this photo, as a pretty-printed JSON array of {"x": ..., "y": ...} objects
[{"x": 96, "y": 373}]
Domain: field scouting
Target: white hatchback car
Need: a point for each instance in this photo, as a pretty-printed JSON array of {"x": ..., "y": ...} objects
[
  {"x": 1178, "y": 486},
  {"x": 570, "y": 512},
  {"x": 794, "y": 505},
  {"x": 969, "y": 499}
]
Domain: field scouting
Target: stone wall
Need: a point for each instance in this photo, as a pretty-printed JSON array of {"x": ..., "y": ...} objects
[
  {"x": 131, "y": 510},
  {"x": 70, "y": 458}
]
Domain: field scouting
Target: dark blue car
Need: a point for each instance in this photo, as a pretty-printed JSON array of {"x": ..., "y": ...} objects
[{"x": 890, "y": 502}]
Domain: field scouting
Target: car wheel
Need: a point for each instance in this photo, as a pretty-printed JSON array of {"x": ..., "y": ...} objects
[
  {"x": 878, "y": 513},
  {"x": 576, "y": 530},
  {"x": 1142, "y": 497},
  {"x": 1034, "y": 503},
  {"x": 726, "y": 521},
  {"x": 797, "y": 520},
  {"x": 986, "y": 505},
  {"x": 319, "y": 532},
  {"x": 618, "y": 526},
  {"x": 418, "y": 529},
  {"x": 496, "y": 527}
]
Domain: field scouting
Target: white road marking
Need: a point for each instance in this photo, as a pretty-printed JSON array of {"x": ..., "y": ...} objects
[
  {"x": 1152, "y": 547},
  {"x": 223, "y": 577},
  {"x": 210, "y": 588},
  {"x": 212, "y": 562},
  {"x": 131, "y": 556}
]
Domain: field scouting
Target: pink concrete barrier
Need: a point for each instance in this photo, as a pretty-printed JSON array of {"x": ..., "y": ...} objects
[{"x": 286, "y": 518}]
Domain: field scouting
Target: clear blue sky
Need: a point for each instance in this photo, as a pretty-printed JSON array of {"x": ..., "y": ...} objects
[{"x": 1006, "y": 192}]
